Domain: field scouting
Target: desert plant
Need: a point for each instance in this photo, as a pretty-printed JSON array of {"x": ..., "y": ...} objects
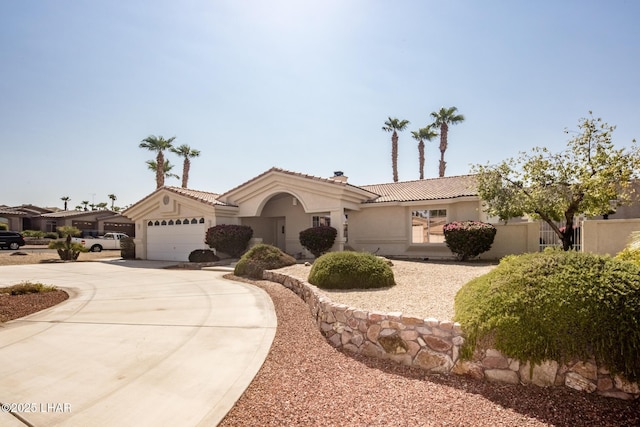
[
  {"x": 127, "y": 248},
  {"x": 68, "y": 250},
  {"x": 262, "y": 257},
  {"x": 556, "y": 305},
  {"x": 351, "y": 270},
  {"x": 26, "y": 287},
  {"x": 468, "y": 239},
  {"x": 318, "y": 240},
  {"x": 229, "y": 239},
  {"x": 203, "y": 255}
]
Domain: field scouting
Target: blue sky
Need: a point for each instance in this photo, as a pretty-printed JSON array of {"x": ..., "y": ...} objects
[{"x": 301, "y": 85}]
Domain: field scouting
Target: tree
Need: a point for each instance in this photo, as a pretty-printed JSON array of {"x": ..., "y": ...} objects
[
  {"x": 158, "y": 144},
  {"x": 588, "y": 177},
  {"x": 187, "y": 152},
  {"x": 443, "y": 118},
  {"x": 394, "y": 125},
  {"x": 113, "y": 199},
  {"x": 420, "y": 135},
  {"x": 65, "y": 199},
  {"x": 85, "y": 203},
  {"x": 67, "y": 249},
  {"x": 166, "y": 169},
  {"x": 101, "y": 206}
]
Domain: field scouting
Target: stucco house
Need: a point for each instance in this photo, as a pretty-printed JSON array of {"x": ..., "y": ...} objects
[{"x": 401, "y": 219}]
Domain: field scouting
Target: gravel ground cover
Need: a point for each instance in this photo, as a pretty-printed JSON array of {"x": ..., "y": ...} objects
[{"x": 306, "y": 382}]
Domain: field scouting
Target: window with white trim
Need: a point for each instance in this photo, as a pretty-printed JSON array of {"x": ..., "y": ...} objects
[
  {"x": 324, "y": 220},
  {"x": 427, "y": 225}
]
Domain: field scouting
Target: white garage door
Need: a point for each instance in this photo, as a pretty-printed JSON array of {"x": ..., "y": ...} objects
[{"x": 173, "y": 240}]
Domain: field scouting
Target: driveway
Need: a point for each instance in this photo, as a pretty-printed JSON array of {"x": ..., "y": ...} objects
[{"x": 135, "y": 345}]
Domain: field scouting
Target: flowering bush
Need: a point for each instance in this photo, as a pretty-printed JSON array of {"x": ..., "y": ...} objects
[
  {"x": 468, "y": 239},
  {"x": 229, "y": 239},
  {"x": 318, "y": 239}
]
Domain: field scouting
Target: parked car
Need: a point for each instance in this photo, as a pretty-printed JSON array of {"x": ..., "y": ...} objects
[
  {"x": 11, "y": 240},
  {"x": 97, "y": 244}
]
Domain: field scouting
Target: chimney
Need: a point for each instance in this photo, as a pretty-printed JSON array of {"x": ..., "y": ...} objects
[{"x": 339, "y": 176}]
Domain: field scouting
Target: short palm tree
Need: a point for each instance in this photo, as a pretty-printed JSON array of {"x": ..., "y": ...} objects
[
  {"x": 443, "y": 118},
  {"x": 187, "y": 152},
  {"x": 420, "y": 135},
  {"x": 65, "y": 199},
  {"x": 158, "y": 144},
  {"x": 113, "y": 199},
  {"x": 395, "y": 125},
  {"x": 85, "y": 203},
  {"x": 166, "y": 170}
]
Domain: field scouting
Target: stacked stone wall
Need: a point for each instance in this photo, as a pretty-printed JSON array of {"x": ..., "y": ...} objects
[{"x": 434, "y": 345}]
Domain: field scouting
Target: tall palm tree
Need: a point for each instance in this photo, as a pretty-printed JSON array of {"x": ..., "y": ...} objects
[
  {"x": 443, "y": 118},
  {"x": 187, "y": 152},
  {"x": 394, "y": 125},
  {"x": 166, "y": 170},
  {"x": 65, "y": 199},
  {"x": 158, "y": 144},
  {"x": 420, "y": 135},
  {"x": 113, "y": 199}
]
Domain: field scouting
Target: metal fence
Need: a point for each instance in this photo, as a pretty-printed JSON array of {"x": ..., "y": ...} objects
[{"x": 549, "y": 238}]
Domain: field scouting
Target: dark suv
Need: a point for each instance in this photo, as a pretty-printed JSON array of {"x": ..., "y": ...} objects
[{"x": 11, "y": 239}]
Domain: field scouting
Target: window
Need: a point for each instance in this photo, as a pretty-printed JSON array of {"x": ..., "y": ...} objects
[
  {"x": 317, "y": 221},
  {"x": 427, "y": 225}
]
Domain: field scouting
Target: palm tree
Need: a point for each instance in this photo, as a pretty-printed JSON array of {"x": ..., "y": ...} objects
[
  {"x": 166, "y": 170},
  {"x": 420, "y": 135},
  {"x": 394, "y": 125},
  {"x": 101, "y": 206},
  {"x": 159, "y": 145},
  {"x": 85, "y": 203},
  {"x": 187, "y": 152},
  {"x": 443, "y": 118},
  {"x": 113, "y": 199},
  {"x": 65, "y": 199}
]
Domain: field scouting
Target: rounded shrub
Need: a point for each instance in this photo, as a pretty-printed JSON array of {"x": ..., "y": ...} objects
[
  {"x": 556, "y": 305},
  {"x": 468, "y": 239},
  {"x": 127, "y": 248},
  {"x": 203, "y": 255},
  {"x": 318, "y": 240},
  {"x": 351, "y": 270},
  {"x": 229, "y": 239},
  {"x": 262, "y": 257}
]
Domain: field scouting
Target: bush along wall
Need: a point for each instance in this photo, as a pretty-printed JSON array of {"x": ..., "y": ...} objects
[
  {"x": 229, "y": 239},
  {"x": 436, "y": 345}
]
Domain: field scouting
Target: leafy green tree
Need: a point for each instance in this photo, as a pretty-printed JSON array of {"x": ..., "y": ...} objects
[
  {"x": 420, "y": 135},
  {"x": 158, "y": 145},
  {"x": 442, "y": 119},
  {"x": 187, "y": 152},
  {"x": 102, "y": 205},
  {"x": 395, "y": 125},
  {"x": 586, "y": 178}
]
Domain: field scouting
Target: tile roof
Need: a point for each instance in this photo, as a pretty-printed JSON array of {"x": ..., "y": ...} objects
[
  {"x": 74, "y": 213},
  {"x": 201, "y": 196},
  {"x": 426, "y": 189}
]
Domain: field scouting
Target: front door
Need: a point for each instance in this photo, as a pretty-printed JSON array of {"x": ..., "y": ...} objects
[{"x": 280, "y": 234}]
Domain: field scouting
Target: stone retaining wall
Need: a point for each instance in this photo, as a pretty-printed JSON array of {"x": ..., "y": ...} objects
[{"x": 434, "y": 345}]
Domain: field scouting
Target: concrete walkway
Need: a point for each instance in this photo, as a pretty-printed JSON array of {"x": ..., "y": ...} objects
[{"x": 135, "y": 345}]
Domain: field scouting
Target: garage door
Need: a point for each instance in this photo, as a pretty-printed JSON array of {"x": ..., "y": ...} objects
[{"x": 173, "y": 240}]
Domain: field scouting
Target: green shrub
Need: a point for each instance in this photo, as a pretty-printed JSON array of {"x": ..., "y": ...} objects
[
  {"x": 262, "y": 257},
  {"x": 51, "y": 235},
  {"x": 556, "y": 305},
  {"x": 68, "y": 250},
  {"x": 229, "y": 239},
  {"x": 351, "y": 270},
  {"x": 127, "y": 248},
  {"x": 4, "y": 226},
  {"x": 468, "y": 239},
  {"x": 318, "y": 240},
  {"x": 631, "y": 252},
  {"x": 203, "y": 255},
  {"x": 24, "y": 288},
  {"x": 35, "y": 233}
]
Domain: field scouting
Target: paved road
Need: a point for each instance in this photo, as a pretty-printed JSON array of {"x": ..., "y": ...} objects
[{"x": 135, "y": 345}]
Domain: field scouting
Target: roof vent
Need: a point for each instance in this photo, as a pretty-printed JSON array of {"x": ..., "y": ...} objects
[
  {"x": 338, "y": 173},
  {"x": 339, "y": 176}
]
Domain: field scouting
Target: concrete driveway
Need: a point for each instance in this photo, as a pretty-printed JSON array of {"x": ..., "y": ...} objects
[{"x": 135, "y": 345}]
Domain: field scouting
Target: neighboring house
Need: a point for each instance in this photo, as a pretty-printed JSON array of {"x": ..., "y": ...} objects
[
  {"x": 400, "y": 219},
  {"x": 23, "y": 217},
  {"x": 90, "y": 222}
]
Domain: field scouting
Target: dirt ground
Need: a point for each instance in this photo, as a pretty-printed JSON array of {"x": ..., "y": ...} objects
[{"x": 31, "y": 256}]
